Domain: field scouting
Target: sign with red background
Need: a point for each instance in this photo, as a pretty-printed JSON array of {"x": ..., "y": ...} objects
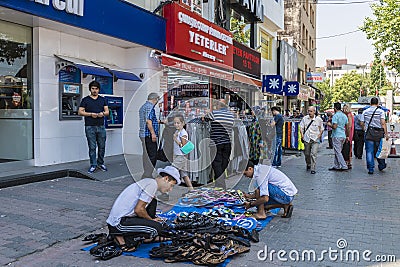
[
  {"x": 191, "y": 36},
  {"x": 246, "y": 59}
]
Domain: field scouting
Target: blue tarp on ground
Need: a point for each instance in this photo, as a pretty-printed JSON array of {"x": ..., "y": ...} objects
[{"x": 248, "y": 223}]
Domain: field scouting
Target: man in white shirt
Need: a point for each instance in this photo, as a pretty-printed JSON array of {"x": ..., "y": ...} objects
[
  {"x": 311, "y": 130},
  {"x": 273, "y": 190},
  {"x": 134, "y": 211}
]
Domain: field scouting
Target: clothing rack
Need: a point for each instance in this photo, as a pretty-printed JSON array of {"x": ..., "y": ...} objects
[{"x": 291, "y": 135}]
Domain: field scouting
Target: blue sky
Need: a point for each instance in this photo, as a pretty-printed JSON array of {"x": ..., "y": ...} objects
[{"x": 336, "y": 19}]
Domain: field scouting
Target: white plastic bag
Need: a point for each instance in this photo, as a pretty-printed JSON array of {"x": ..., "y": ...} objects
[{"x": 383, "y": 149}]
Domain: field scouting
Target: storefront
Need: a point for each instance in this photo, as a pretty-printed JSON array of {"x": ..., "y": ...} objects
[
  {"x": 50, "y": 51},
  {"x": 202, "y": 60}
]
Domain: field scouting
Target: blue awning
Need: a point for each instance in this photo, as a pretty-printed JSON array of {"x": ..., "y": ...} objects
[
  {"x": 123, "y": 75},
  {"x": 93, "y": 70}
]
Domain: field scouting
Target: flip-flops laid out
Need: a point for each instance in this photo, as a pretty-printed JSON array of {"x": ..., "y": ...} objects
[{"x": 205, "y": 197}]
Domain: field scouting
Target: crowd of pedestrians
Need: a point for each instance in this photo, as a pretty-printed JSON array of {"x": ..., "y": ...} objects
[{"x": 134, "y": 209}]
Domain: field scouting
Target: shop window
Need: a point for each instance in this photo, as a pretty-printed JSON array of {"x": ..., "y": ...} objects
[{"x": 16, "y": 140}]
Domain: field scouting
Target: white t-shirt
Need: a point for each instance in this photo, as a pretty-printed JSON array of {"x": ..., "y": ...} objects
[
  {"x": 314, "y": 130},
  {"x": 124, "y": 205},
  {"x": 264, "y": 175},
  {"x": 177, "y": 149}
]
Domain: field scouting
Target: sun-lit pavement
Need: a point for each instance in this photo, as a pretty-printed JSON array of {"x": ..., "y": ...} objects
[{"x": 42, "y": 222}]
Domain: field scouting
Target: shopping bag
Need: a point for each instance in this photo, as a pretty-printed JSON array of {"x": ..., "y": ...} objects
[
  {"x": 346, "y": 150},
  {"x": 383, "y": 149}
]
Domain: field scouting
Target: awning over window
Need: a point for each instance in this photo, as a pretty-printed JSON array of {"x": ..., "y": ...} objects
[
  {"x": 123, "y": 75},
  {"x": 85, "y": 66},
  {"x": 119, "y": 73},
  {"x": 93, "y": 70}
]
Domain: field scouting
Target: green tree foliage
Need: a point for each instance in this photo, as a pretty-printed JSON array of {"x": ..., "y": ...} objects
[
  {"x": 384, "y": 30},
  {"x": 325, "y": 88},
  {"x": 10, "y": 51},
  {"x": 379, "y": 83},
  {"x": 239, "y": 33},
  {"x": 347, "y": 88}
]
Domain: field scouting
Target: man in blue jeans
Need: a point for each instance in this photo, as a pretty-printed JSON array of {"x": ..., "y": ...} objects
[
  {"x": 94, "y": 107},
  {"x": 278, "y": 123},
  {"x": 273, "y": 189},
  {"x": 374, "y": 117}
]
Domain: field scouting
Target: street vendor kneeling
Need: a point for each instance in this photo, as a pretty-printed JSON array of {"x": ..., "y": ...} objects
[
  {"x": 133, "y": 214},
  {"x": 273, "y": 190}
]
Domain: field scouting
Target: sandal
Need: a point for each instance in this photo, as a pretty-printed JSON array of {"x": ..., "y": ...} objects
[
  {"x": 158, "y": 239},
  {"x": 93, "y": 238},
  {"x": 289, "y": 212},
  {"x": 96, "y": 250},
  {"x": 110, "y": 252}
]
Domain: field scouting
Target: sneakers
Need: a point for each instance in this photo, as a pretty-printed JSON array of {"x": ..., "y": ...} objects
[
  {"x": 92, "y": 169},
  {"x": 103, "y": 168}
]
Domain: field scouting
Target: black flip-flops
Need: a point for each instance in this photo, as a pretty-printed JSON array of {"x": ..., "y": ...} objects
[{"x": 289, "y": 212}]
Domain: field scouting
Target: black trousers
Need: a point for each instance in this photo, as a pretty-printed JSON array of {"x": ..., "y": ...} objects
[
  {"x": 149, "y": 156},
  {"x": 358, "y": 143},
  {"x": 220, "y": 163},
  {"x": 138, "y": 227}
]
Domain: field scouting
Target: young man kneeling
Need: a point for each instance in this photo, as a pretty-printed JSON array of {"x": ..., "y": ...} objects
[
  {"x": 133, "y": 215},
  {"x": 273, "y": 190}
]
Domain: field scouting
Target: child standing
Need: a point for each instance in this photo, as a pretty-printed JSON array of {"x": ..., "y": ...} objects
[{"x": 179, "y": 159}]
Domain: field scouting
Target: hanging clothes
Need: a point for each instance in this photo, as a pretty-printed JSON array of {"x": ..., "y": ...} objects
[{"x": 199, "y": 158}]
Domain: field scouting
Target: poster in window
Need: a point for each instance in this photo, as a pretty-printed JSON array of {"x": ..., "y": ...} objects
[
  {"x": 69, "y": 74},
  {"x": 106, "y": 84},
  {"x": 265, "y": 43}
]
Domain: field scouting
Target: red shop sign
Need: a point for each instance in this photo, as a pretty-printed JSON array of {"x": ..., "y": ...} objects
[
  {"x": 191, "y": 36},
  {"x": 195, "y": 68}
]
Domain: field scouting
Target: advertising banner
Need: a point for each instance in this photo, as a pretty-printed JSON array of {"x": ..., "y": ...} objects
[
  {"x": 288, "y": 62},
  {"x": 195, "y": 68},
  {"x": 191, "y": 36},
  {"x": 246, "y": 59},
  {"x": 315, "y": 77}
]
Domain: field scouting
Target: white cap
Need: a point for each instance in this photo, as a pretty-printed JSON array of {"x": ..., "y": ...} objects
[{"x": 171, "y": 171}]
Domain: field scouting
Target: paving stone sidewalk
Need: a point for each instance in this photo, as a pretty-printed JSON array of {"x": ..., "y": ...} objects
[{"x": 42, "y": 223}]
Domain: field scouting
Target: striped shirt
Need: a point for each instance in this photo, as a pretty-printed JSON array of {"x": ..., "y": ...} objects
[
  {"x": 147, "y": 112},
  {"x": 221, "y": 126},
  {"x": 376, "y": 121}
]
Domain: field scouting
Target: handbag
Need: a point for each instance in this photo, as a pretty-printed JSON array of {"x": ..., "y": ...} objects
[
  {"x": 374, "y": 133},
  {"x": 188, "y": 147}
]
